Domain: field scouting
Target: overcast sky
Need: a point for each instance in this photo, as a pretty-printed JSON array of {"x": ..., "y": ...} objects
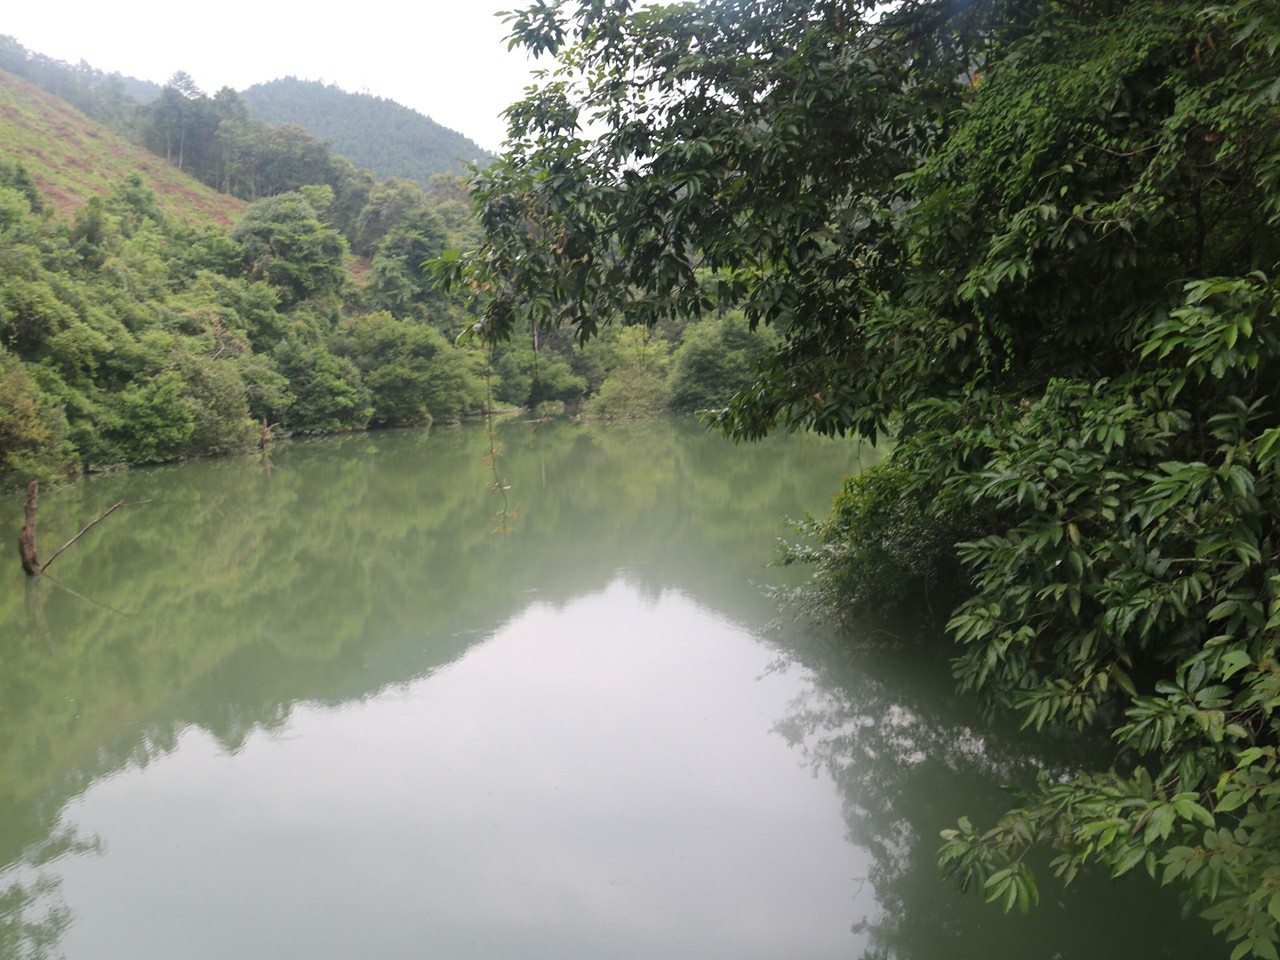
[{"x": 444, "y": 58}]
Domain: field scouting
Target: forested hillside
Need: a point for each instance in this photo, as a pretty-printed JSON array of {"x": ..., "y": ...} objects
[
  {"x": 72, "y": 158},
  {"x": 136, "y": 327},
  {"x": 378, "y": 134},
  {"x": 213, "y": 137},
  {"x": 102, "y": 96}
]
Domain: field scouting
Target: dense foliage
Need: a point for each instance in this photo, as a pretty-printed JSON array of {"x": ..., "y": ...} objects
[
  {"x": 318, "y": 305},
  {"x": 128, "y": 337},
  {"x": 1036, "y": 243}
]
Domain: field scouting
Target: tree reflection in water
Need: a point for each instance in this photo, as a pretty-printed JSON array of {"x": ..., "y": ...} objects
[
  {"x": 910, "y": 756},
  {"x": 363, "y": 562},
  {"x": 33, "y": 916},
  {"x": 240, "y": 592}
]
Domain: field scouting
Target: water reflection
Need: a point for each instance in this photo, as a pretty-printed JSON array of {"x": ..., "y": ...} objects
[
  {"x": 239, "y": 595},
  {"x": 909, "y": 756},
  {"x": 530, "y": 799},
  {"x": 33, "y": 914},
  {"x": 565, "y": 742}
]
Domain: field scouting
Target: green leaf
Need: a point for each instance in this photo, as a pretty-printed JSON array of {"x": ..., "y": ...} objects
[{"x": 1130, "y": 858}]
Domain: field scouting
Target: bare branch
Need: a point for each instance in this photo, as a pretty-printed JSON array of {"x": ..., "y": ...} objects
[{"x": 85, "y": 529}]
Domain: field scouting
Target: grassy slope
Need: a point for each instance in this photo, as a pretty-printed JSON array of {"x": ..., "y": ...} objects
[{"x": 72, "y": 158}]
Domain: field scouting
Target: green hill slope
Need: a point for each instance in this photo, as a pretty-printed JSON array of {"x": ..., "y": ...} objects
[
  {"x": 378, "y": 134},
  {"x": 71, "y": 158}
]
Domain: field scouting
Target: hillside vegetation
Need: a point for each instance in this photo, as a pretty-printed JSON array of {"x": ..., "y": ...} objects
[
  {"x": 136, "y": 327},
  {"x": 381, "y": 135},
  {"x": 146, "y": 317},
  {"x": 71, "y": 158}
]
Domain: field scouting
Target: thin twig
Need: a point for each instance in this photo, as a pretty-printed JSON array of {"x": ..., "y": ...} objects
[{"x": 85, "y": 529}]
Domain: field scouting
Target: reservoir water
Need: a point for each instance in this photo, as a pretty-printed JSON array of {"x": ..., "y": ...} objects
[{"x": 388, "y": 696}]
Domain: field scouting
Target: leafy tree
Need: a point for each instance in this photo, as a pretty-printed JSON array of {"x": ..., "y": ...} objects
[
  {"x": 266, "y": 389},
  {"x": 326, "y": 392},
  {"x": 238, "y": 142},
  {"x": 454, "y": 384},
  {"x": 14, "y": 176},
  {"x": 451, "y": 198},
  {"x": 133, "y": 202},
  {"x": 156, "y": 420},
  {"x": 408, "y": 368},
  {"x": 398, "y": 280},
  {"x": 231, "y": 314},
  {"x": 32, "y": 431},
  {"x": 716, "y": 358},
  {"x": 391, "y": 202},
  {"x": 173, "y": 120},
  {"x": 291, "y": 158},
  {"x": 216, "y": 394},
  {"x": 1035, "y": 242},
  {"x": 352, "y": 187},
  {"x": 283, "y": 242},
  {"x": 635, "y": 382},
  {"x": 31, "y": 315},
  {"x": 528, "y": 376}
]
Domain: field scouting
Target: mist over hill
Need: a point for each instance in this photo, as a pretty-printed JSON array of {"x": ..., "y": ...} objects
[{"x": 380, "y": 135}]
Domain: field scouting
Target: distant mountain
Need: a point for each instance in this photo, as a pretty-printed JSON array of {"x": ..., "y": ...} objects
[
  {"x": 71, "y": 158},
  {"x": 372, "y": 132}
]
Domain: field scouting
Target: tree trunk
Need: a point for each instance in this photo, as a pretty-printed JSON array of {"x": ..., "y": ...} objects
[{"x": 27, "y": 542}]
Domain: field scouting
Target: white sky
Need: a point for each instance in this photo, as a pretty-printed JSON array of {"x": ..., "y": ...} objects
[{"x": 447, "y": 59}]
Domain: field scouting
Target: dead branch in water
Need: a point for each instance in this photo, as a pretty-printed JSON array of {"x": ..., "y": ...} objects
[
  {"x": 83, "y": 530},
  {"x": 27, "y": 542}
]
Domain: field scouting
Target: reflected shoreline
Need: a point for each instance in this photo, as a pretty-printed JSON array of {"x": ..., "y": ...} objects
[{"x": 254, "y": 598}]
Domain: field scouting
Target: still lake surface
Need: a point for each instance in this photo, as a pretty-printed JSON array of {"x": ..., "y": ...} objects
[{"x": 316, "y": 707}]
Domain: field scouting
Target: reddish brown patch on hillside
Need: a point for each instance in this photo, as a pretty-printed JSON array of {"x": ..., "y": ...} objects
[
  {"x": 358, "y": 269},
  {"x": 63, "y": 203}
]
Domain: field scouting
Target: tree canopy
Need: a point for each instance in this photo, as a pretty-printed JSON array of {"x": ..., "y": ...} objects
[
  {"x": 1033, "y": 241},
  {"x": 129, "y": 337}
]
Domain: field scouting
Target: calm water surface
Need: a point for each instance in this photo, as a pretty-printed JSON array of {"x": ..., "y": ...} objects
[{"x": 316, "y": 707}]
